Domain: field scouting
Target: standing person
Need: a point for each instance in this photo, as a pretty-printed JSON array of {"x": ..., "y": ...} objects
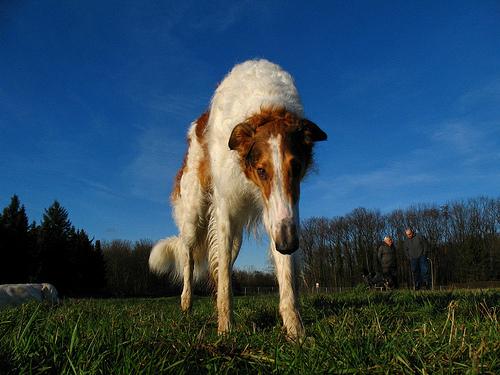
[
  {"x": 416, "y": 249},
  {"x": 386, "y": 255}
]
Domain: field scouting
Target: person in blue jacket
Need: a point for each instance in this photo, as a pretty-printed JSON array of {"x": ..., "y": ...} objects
[{"x": 417, "y": 249}]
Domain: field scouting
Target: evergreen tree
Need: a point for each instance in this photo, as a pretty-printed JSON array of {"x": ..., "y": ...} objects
[
  {"x": 79, "y": 253},
  {"x": 34, "y": 234},
  {"x": 55, "y": 248},
  {"x": 99, "y": 268},
  {"x": 16, "y": 247},
  {"x": 87, "y": 263}
]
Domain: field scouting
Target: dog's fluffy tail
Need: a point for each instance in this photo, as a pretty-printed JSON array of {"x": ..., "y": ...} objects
[{"x": 168, "y": 256}]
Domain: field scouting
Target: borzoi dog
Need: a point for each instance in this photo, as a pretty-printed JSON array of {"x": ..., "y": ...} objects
[{"x": 245, "y": 160}]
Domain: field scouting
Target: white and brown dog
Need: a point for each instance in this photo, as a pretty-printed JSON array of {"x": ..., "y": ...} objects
[
  {"x": 17, "y": 294},
  {"x": 246, "y": 158}
]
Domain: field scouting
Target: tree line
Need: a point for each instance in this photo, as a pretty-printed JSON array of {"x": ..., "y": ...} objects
[
  {"x": 53, "y": 251},
  {"x": 463, "y": 236}
]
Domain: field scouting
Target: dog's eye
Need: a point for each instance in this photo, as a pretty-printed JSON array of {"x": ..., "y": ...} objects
[{"x": 262, "y": 173}]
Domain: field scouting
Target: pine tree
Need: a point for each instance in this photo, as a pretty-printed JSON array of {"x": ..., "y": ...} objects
[
  {"x": 34, "y": 234},
  {"x": 16, "y": 249},
  {"x": 99, "y": 267},
  {"x": 87, "y": 263},
  {"x": 55, "y": 248}
]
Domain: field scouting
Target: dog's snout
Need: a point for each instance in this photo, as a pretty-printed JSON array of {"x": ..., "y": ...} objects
[{"x": 287, "y": 239}]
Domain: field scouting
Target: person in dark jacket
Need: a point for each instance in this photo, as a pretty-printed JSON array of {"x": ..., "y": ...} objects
[
  {"x": 386, "y": 255},
  {"x": 416, "y": 249}
]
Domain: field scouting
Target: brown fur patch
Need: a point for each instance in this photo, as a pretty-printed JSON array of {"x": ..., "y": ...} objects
[
  {"x": 203, "y": 167},
  {"x": 204, "y": 175},
  {"x": 176, "y": 191},
  {"x": 273, "y": 114},
  {"x": 201, "y": 126}
]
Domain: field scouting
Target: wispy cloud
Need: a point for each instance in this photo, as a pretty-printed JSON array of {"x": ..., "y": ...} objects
[
  {"x": 219, "y": 19},
  {"x": 461, "y": 137},
  {"x": 486, "y": 94},
  {"x": 391, "y": 176},
  {"x": 97, "y": 186},
  {"x": 469, "y": 144},
  {"x": 193, "y": 16},
  {"x": 373, "y": 188},
  {"x": 180, "y": 106},
  {"x": 159, "y": 155}
]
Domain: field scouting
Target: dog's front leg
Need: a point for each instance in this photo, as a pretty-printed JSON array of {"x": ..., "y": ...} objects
[
  {"x": 288, "y": 294},
  {"x": 224, "y": 288}
]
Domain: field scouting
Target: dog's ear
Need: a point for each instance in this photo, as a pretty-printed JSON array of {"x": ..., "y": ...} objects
[
  {"x": 312, "y": 132},
  {"x": 241, "y": 138}
]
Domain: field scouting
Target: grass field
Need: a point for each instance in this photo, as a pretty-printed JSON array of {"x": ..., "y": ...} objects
[{"x": 352, "y": 332}]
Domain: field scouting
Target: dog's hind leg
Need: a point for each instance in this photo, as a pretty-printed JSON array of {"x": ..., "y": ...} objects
[
  {"x": 192, "y": 235},
  {"x": 190, "y": 213},
  {"x": 187, "y": 272},
  {"x": 190, "y": 201},
  {"x": 236, "y": 246}
]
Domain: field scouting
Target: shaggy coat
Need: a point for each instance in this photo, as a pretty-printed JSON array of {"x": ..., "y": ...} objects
[
  {"x": 16, "y": 294},
  {"x": 245, "y": 160}
]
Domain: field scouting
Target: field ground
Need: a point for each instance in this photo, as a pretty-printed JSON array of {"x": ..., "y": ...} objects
[{"x": 352, "y": 332}]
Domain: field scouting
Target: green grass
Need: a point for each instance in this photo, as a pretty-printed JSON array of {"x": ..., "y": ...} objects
[{"x": 354, "y": 332}]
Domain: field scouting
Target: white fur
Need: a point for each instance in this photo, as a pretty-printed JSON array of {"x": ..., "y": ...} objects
[
  {"x": 16, "y": 294},
  {"x": 280, "y": 205},
  {"x": 211, "y": 226}
]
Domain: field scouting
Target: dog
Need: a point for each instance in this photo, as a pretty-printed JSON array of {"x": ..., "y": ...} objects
[
  {"x": 17, "y": 294},
  {"x": 245, "y": 160}
]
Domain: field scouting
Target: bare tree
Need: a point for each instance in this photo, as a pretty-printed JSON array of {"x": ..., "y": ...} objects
[{"x": 463, "y": 237}]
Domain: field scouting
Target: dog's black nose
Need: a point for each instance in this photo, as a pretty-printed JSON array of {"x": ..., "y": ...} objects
[{"x": 287, "y": 240}]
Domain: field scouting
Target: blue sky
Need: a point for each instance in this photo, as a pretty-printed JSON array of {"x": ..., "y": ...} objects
[{"x": 96, "y": 98}]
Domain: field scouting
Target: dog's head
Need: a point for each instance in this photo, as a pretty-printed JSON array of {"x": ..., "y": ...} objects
[{"x": 275, "y": 150}]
